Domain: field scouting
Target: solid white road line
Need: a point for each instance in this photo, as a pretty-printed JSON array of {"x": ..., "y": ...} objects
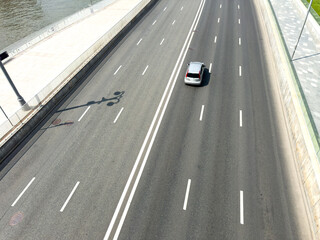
[
  {"x": 240, "y": 118},
  {"x": 187, "y": 195},
  {"x": 164, "y": 100},
  {"x": 139, "y": 41},
  {"x": 239, "y": 41},
  {"x": 162, "y": 41},
  {"x": 154, "y": 22},
  {"x": 68, "y": 199},
  {"x": 165, "y": 9},
  {"x": 241, "y": 208},
  {"x": 117, "y": 70},
  {"x": 25, "y": 189},
  {"x": 210, "y": 67},
  {"x": 218, "y": 20},
  {"x": 201, "y": 113},
  {"x": 195, "y": 27},
  {"x": 215, "y": 39},
  {"x": 145, "y": 70},
  {"x": 240, "y": 71},
  {"x": 173, "y": 22},
  {"x": 115, "y": 120},
  {"x": 83, "y": 114}
]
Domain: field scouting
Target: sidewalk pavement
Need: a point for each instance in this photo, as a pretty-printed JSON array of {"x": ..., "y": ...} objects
[
  {"x": 291, "y": 15},
  {"x": 34, "y": 68}
]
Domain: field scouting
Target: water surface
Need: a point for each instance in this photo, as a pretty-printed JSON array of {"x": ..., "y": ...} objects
[{"x": 20, "y": 18}]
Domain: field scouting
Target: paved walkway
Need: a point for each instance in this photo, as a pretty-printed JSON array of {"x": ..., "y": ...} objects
[
  {"x": 291, "y": 15},
  {"x": 34, "y": 68}
]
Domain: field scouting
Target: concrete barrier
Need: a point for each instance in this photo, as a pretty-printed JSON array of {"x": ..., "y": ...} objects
[
  {"x": 72, "y": 77},
  {"x": 298, "y": 118}
]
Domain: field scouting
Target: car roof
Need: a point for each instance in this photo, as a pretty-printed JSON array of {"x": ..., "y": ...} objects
[{"x": 194, "y": 67}]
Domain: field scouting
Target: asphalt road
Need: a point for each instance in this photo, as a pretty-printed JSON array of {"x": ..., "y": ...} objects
[{"x": 136, "y": 154}]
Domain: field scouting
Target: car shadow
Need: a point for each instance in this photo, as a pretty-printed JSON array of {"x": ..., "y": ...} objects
[{"x": 206, "y": 78}]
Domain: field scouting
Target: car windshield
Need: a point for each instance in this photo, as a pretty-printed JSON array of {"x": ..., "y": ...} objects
[{"x": 193, "y": 75}]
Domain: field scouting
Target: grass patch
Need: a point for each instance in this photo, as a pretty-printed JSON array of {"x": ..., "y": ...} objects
[
  {"x": 315, "y": 10},
  {"x": 316, "y": 6}
]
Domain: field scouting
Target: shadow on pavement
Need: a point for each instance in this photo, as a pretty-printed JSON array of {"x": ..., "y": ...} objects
[
  {"x": 312, "y": 55},
  {"x": 111, "y": 102}
]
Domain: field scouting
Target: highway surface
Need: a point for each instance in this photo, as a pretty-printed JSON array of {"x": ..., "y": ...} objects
[{"x": 135, "y": 154}]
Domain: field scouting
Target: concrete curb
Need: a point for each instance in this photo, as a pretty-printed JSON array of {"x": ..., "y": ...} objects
[
  {"x": 305, "y": 146},
  {"x": 74, "y": 77}
]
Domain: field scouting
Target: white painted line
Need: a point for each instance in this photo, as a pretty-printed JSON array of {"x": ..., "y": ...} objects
[
  {"x": 239, "y": 41},
  {"x": 115, "y": 120},
  {"x": 201, "y": 113},
  {"x": 139, "y": 41},
  {"x": 165, "y": 9},
  {"x": 155, "y": 122},
  {"x": 240, "y": 71},
  {"x": 173, "y": 22},
  {"x": 187, "y": 195},
  {"x": 145, "y": 70},
  {"x": 238, "y": 6},
  {"x": 241, "y": 208},
  {"x": 210, "y": 67},
  {"x": 195, "y": 27},
  {"x": 154, "y": 22},
  {"x": 240, "y": 118},
  {"x": 25, "y": 189},
  {"x": 220, "y": 5},
  {"x": 162, "y": 41},
  {"x": 181, "y": 8},
  {"x": 117, "y": 70},
  {"x": 215, "y": 39},
  {"x": 83, "y": 114},
  {"x": 239, "y": 21},
  {"x": 68, "y": 199},
  {"x": 218, "y": 20}
]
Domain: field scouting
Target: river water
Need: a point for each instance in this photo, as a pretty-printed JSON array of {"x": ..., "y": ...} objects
[{"x": 20, "y": 18}]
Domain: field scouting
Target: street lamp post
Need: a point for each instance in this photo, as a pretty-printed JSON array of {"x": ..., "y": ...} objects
[
  {"x": 3, "y": 56},
  {"x": 302, "y": 29}
]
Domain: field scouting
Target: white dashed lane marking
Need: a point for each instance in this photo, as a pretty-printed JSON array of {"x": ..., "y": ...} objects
[
  {"x": 68, "y": 199},
  {"x": 24, "y": 190},
  {"x": 117, "y": 70},
  {"x": 115, "y": 120},
  {"x": 241, "y": 208},
  {"x": 83, "y": 114},
  {"x": 201, "y": 113},
  {"x": 187, "y": 195},
  {"x": 145, "y": 70},
  {"x": 139, "y": 41}
]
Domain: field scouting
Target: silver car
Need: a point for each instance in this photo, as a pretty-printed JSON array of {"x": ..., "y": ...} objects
[{"x": 194, "y": 74}]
